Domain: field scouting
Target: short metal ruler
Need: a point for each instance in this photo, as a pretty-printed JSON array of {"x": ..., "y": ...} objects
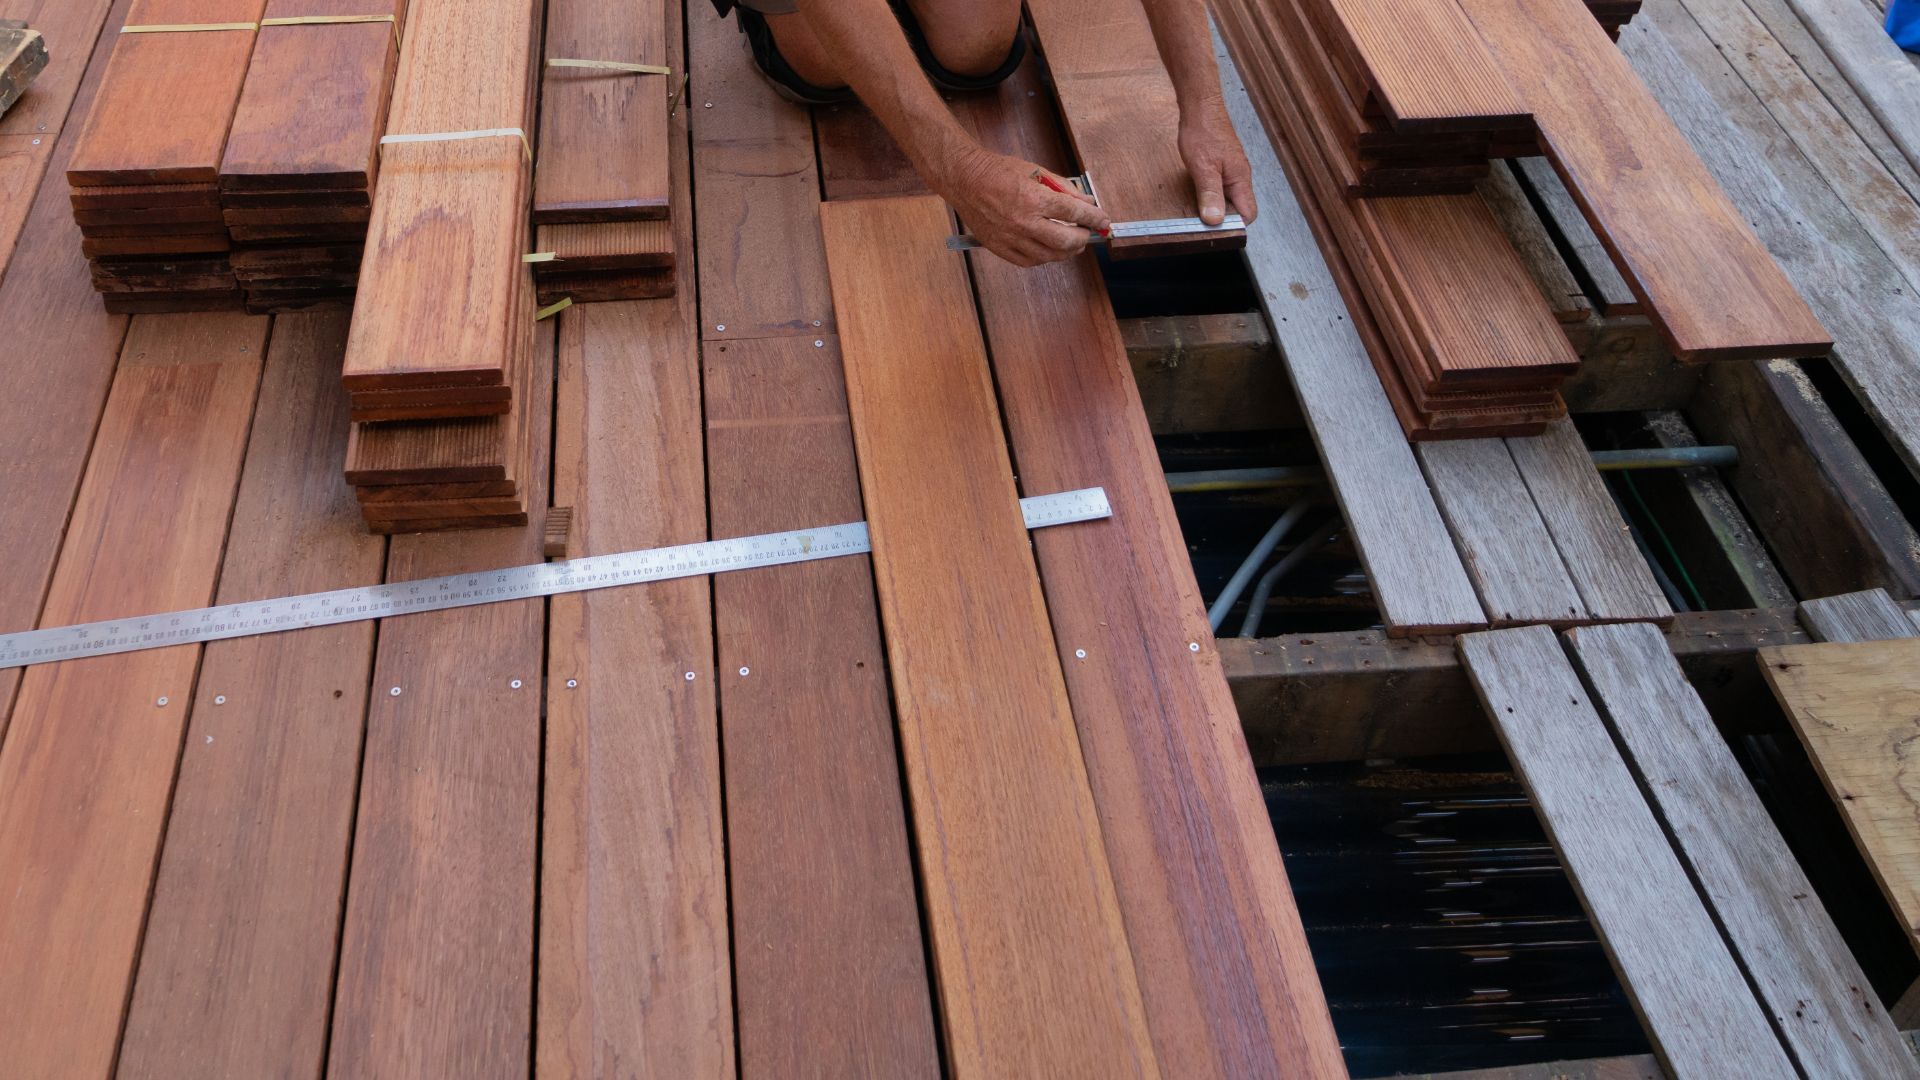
[
  {"x": 1132, "y": 230},
  {"x": 485, "y": 587}
]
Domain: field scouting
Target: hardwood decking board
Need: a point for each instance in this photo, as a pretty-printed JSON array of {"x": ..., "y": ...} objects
[
  {"x": 88, "y": 764},
  {"x": 1030, "y": 956},
  {"x": 236, "y": 968},
  {"x": 1417, "y": 577},
  {"x": 603, "y": 134},
  {"x": 1699, "y": 1012},
  {"x": 1813, "y": 988},
  {"x": 1706, "y": 280},
  {"x": 1427, "y": 66},
  {"x": 1855, "y": 706},
  {"x": 1122, "y": 116},
  {"x": 1504, "y": 543},
  {"x": 1225, "y": 974},
  {"x": 829, "y": 965},
  {"x": 1605, "y": 564},
  {"x": 437, "y": 943}
]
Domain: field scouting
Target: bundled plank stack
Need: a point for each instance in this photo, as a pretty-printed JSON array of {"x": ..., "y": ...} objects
[
  {"x": 441, "y": 348},
  {"x": 297, "y": 178},
  {"x": 601, "y": 191},
  {"x": 145, "y": 168},
  {"x": 1410, "y": 98}
]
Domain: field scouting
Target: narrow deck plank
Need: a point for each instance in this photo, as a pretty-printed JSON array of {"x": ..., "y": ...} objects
[
  {"x": 237, "y": 965},
  {"x": 1698, "y": 1011},
  {"x": 1870, "y": 615},
  {"x": 1605, "y": 564},
  {"x": 1558, "y": 207},
  {"x": 1428, "y": 68},
  {"x": 1225, "y": 973},
  {"x": 1417, "y": 578},
  {"x": 1505, "y": 545},
  {"x": 1508, "y": 201},
  {"x": 1855, "y": 706},
  {"x": 1706, "y": 280},
  {"x": 1813, "y": 988},
  {"x": 89, "y": 759},
  {"x": 52, "y": 407},
  {"x": 436, "y": 958},
  {"x": 603, "y": 134},
  {"x": 1032, "y": 962},
  {"x": 1878, "y": 71}
]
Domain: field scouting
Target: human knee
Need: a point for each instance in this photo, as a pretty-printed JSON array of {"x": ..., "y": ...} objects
[{"x": 974, "y": 44}]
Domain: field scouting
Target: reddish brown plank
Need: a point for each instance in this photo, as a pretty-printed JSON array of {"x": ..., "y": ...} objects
[
  {"x": 89, "y": 758},
  {"x": 1426, "y": 65},
  {"x": 603, "y": 133},
  {"x": 237, "y": 964},
  {"x": 1034, "y": 973}
]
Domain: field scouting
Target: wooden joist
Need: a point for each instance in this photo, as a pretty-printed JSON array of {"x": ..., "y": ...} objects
[
  {"x": 1691, "y": 997},
  {"x": 1029, "y": 952},
  {"x": 110, "y": 727}
]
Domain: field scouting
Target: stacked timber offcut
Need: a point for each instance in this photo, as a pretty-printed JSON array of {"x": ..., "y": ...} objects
[
  {"x": 440, "y": 350},
  {"x": 296, "y": 182},
  {"x": 600, "y": 193},
  {"x": 1374, "y": 106},
  {"x": 145, "y": 168}
]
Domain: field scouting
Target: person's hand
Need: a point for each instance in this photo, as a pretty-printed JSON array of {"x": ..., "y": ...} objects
[
  {"x": 1221, "y": 175},
  {"x": 1005, "y": 205}
]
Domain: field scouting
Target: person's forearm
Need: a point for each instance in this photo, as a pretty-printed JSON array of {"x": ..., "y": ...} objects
[
  {"x": 1182, "y": 34},
  {"x": 866, "y": 43}
]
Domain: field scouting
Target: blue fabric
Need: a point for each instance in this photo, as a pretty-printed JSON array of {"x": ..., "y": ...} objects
[{"x": 1903, "y": 24}]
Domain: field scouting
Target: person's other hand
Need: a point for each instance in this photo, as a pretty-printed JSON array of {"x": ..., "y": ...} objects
[
  {"x": 1003, "y": 203},
  {"x": 1218, "y": 164}
]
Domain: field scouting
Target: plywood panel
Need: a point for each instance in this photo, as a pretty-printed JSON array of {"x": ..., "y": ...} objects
[
  {"x": 89, "y": 758},
  {"x": 236, "y": 968},
  {"x": 1031, "y": 959}
]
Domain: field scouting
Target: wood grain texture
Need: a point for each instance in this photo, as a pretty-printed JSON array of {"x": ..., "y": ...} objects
[
  {"x": 1223, "y": 964},
  {"x": 759, "y": 191},
  {"x": 603, "y": 134},
  {"x": 437, "y": 943},
  {"x": 1504, "y": 543},
  {"x": 1879, "y": 72},
  {"x": 1813, "y": 989},
  {"x": 1707, "y": 281},
  {"x": 164, "y": 108},
  {"x": 1508, "y": 202},
  {"x": 1856, "y": 707},
  {"x": 1557, "y": 206},
  {"x": 1122, "y": 116},
  {"x": 1032, "y": 963},
  {"x": 1427, "y": 66},
  {"x": 1417, "y": 577},
  {"x": 89, "y": 758},
  {"x": 1699, "y": 1012},
  {"x": 1600, "y": 556},
  {"x": 1870, "y": 615},
  {"x": 829, "y": 966},
  {"x": 1873, "y": 311},
  {"x": 236, "y": 968}
]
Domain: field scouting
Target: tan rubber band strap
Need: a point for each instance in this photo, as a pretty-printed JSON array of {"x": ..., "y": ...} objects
[
  {"x": 612, "y": 65},
  {"x": 540, "y": 257},
  {"x": 186, "y": 28},
  {"x": 553, "y": 309},
  {"x": 323, "y": 20},
  {"x": 459, "y": 136}
]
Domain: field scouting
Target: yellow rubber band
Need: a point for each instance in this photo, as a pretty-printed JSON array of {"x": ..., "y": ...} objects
[
  {"x": 553, "y": 309},
  {"x": 540, "y": 257},
  {"x": 612, "y": 65},
  {"x": 458, "y": 136},
  {"x": 323, "y": 20},
  {"x": 186, "y": 28}
]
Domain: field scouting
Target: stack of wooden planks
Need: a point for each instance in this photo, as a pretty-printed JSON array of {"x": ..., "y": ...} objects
[
  {"x": 439, "y": 356},
  {"x": 145, "y": 168},
  {"x": 297, "y": 178},
  {"x": 1385, "y": 116},
  {"x": 600, "y": 197}
]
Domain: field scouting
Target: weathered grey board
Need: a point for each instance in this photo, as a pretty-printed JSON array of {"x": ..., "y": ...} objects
[
  {"x": 1871, "y": 310},
  {"x": 1819, "y": 999},
  {"x": 1873, "y": 65},
  {"x": 1614, "y": 297},
  {"x": 1598, "y": 552},
  {"x": 1877, "y": 197},
  {"x": 1507, "y": 548},
  {"x": 1416, "y": 575},
  {"x": 1698, "y": 1011},
  {"x": 1511, "y": 207},
  {"x": 1869, "y": 615}
]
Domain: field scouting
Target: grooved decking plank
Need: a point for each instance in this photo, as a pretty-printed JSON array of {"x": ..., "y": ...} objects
[
  {"x": 88, "y": 764},
  {"x": 1225, "y": 973},
  {"x": 1428, "y": 67},
  {"x": 1032, "y": 962},
  {"x": 436, "y": 956},
  {"x": 237, "y": 965}
]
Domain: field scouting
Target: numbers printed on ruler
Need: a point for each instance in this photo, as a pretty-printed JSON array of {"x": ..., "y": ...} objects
[{"x": 487, "y": 587}]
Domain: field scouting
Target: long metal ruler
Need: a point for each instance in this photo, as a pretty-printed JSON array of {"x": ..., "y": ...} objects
[
  {"x": 485, "y": 587},
  {"x": 1131, "y": 230}
]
